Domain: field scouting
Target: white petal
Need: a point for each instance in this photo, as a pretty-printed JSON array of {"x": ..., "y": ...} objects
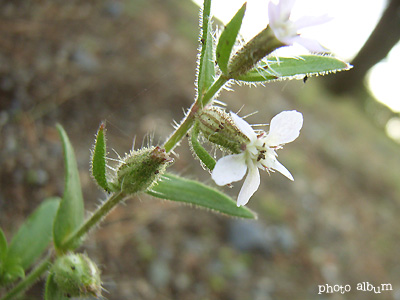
[
  {"x": 286, "y": 7},
  {"x": 308, "y": 21},
  {"x": 284, "y": 128},
  {"x": 244, "y": 127},
  {"x": 250, "y": 185},
  {"x": 310, "y": 44},
  {"x": 276, "y": 165},
  {"x": 280, "y": 12},
  {"x": 229, "y": 169},
  {"x": 273, "y": 13}
]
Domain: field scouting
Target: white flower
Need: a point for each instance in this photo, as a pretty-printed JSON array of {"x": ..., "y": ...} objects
[
  {"x": 286, "y": 30},
  {"x": 259, "y": 152}
]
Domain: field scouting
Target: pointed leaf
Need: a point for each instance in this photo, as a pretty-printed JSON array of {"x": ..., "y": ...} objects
[
  {"x": 207, "y": 160},
  {"x": 294, "y": 68},
  {"x": 71, "y": 211},
  {"x": 228, "y": 39},
  {"x": 34, "y": 235},
  {"x": 206, "y": 74},
  {"x": 175, "y": 188},
  {"x": 99, "y": 159},
  {"x": 52, "y": 291},
  {"x": 3, "y": 247}
]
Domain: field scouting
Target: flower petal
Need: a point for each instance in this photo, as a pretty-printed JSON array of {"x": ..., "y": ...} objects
[
  {"x": 244, "y": 127},
  {"x": 229, "y": 169},
  {"x": 273, "y": 13},
  {"x": 286, "y": 7},
  {"x": 284, "y": 128},
  {"x": 281, "y": 11},
  {"x": 277, "y": 166},
  {"x": 286, "y": 30},
  {"x": 308, "y": 21},
  {"x": 310, "y": 44},
  {"x": 250, "y": 185}
]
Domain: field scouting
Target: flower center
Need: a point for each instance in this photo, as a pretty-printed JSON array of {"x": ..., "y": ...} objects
[
  {"x": 261, "y": 154},
  {"x": 257, "y": 151},
  {"x": 285, "y": 29}
]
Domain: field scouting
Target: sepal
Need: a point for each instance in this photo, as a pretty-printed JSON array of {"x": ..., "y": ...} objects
[{"x": 218, "y": 127}]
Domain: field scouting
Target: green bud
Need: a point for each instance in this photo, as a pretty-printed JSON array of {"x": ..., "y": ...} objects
[
  {"x": 256, "y": 49},
  {"x": 139, "y": 170},
  {"x": 218, "y": 127},
  {"x": 77, "y": 276}
]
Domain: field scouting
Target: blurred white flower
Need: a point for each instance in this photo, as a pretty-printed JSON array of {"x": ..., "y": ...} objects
[
  {"x": 286, "y": 30},
  {"x": 259, "y": 152}
]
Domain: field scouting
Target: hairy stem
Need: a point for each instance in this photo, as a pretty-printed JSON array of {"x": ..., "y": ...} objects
[
  {"x": 30, "y": 279},
  {"x": 99, "y": 214},
  {"x": 187, "y": 123}
]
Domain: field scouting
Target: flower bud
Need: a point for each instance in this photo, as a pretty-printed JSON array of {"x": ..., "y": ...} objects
[
  {"x": 218, "y": 127},
  {"x": 139, "y": 170},
  {"x": 77, "y": 276},
  {"x": 256, "y": 49}
]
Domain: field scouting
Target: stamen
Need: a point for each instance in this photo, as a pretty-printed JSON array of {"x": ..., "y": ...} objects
[
  {"x": 260, "y": 136},
  {"x": 261, "y": 156}
]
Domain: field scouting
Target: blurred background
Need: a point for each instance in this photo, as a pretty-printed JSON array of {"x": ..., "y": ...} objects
[{"x": 132, "y": 63}]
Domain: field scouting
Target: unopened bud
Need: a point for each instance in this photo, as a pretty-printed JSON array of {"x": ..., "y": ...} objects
[
  {"x": 140, "y": 169},
  {"x": 77, "y": 276},
  {"x": 218, "y": 127},
  {"x": 256, "y": 49}
]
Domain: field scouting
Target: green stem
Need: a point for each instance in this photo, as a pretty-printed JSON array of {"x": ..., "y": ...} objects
[
  {"x": 99, "y": 214},
  {"x": 187, "y": 123},
  {"x": 30, "y": 279},
  {"x": 209, "y": 95}
]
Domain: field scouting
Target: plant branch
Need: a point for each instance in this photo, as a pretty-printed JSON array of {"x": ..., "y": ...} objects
[
  {"x": 187, "y": 123},
  {"x": 99, "y": 214}
]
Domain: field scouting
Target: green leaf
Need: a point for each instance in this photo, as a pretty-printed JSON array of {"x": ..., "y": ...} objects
[
  {"x": 228, "y": 39},
  {"x": 52, "y": 292},
  {"x": 3, "y": 247},
  {"x": 34, "y": 235},
  {"x": 11, "y": 273},
  {"x": 294, "y": 68},
  {"x": 175, "y": 188},
  {"x": 201, "y": 153},
  {"x": 206, "y": 74},
  {"x": 71, "y": 211},
  {"x": 99, "y": 159}
]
